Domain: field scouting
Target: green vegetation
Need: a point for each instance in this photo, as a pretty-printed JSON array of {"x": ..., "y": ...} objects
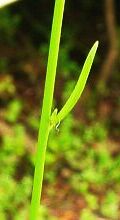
[
  {"x": 46, "y": 109},
  {"x": 82, "y": 161},
  {"x": 47, "y": 121}
]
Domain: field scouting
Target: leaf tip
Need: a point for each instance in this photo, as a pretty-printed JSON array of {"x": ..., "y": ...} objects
[{"x": 96, "y": 44}]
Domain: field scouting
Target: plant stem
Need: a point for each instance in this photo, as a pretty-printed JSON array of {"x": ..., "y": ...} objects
[{"x": 46, "y": 109}]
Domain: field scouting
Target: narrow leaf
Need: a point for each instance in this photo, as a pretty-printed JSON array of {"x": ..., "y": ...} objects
[{"x": 79, "y": 86}]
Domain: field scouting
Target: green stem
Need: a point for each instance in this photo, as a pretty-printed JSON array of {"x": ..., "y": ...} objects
[{"x": 46, "y": 109}]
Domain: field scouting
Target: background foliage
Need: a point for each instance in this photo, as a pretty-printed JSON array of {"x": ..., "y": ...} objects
[{"x": 82, "y": 173}]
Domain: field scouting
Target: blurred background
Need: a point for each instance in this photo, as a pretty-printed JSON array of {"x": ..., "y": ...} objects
[{"x": 82, "y": 171}]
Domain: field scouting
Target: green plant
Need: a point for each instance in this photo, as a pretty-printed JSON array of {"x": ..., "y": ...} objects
[
  {"x": 65, "y": 64},
  {"x": 110, "y": 205},
  {"x": 13, "y": 110},
  {"x": 49, "y": 121},
  {"x": 87, "y": 214},
  {"x": 6, "y": 85},
  {"x": 8, "y": 26}
]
